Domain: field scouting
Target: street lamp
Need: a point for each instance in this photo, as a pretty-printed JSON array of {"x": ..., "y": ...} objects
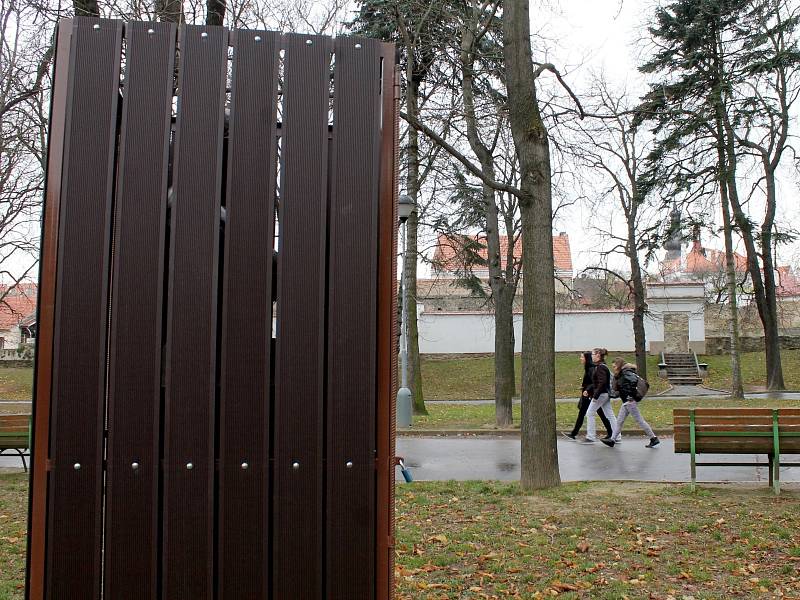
[{"x": 405, "y": 206}]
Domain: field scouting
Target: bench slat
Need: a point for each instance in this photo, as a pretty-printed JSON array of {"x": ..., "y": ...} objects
[{"x": 735, "y": 411}]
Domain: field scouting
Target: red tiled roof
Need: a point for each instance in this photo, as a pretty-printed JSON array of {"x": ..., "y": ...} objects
[
  {"x": 704, "y": 260},
  {"x": 17, "y": 304},
  {"x": 449, "y": 251},
  {"x": 787, "y": 283}
]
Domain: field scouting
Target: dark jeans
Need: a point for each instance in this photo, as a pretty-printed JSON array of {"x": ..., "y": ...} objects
[{"x": 583, "y": 406}]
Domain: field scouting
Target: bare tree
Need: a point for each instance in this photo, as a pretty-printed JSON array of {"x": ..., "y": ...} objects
[
  {"x": 24, "y": 79},
  {"x": 539, "y": 455},
  {"x": 613, "y": 151}
]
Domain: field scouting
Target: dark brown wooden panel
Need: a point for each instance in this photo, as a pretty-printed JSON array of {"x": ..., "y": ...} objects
[
  {"x": 79, "y": 359},
  {"x": 43, "y": 370},
  {"x": 298, "y": 475},
  {"x": 134, "y": 399},
  {"x": 247, "y": 320},
  {"x": 352, "y": 302},
  {"x": 189, "y": 427}
]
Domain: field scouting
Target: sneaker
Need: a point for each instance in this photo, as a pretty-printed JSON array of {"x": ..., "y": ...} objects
[
  {"x": 618, "y": 440},
  {"x": 654, "y": 441},
  {"x": 589, "y": 440},
  {"x": 609, "y": 443},
  {"x": 569, "y": 436}
]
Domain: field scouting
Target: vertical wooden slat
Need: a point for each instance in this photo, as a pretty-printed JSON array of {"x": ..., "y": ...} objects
[
  {"x": 37, "y": 512},
  {"x": 298, "y": 502},
  {"x": 247, "y": 320},
  {"x": 135, "y": 342},
  {"x": 352, "y": 305},
  {"x": 189, "y": 427},
  {"x": 387, "y": 325},
  {"x": 79, "y": 363}
]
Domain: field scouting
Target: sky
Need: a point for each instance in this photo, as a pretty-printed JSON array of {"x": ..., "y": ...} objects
[{"x": 606, "y": 35}]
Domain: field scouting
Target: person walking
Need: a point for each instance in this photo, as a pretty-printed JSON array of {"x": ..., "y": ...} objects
[
  {"x": 586, "y": 398},
  {"x": 601, "y": 395},
  {"x": 627, "y": 380}
]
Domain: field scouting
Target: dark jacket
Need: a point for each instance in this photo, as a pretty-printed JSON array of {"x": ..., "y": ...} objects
[
  {"x": 588, "y": 371},
  {"x": 626, "y": 383},
  {"x": 601, "y": 380}
]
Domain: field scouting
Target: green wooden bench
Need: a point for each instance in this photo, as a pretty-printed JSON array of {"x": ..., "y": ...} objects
[
  {"x": 771, "y": 431},
  {"x": 15, "y": 435}
]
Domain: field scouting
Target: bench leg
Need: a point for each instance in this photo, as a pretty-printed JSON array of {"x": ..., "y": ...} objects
[
  {"x": 692, "y": 450},
  {"x": 771, "y": 460},
  {"x": 776, "y": 474},
  {"x": 24, "y": 464}
]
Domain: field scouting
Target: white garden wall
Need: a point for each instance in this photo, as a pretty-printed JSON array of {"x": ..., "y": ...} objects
[{"x": 468, "y": 332}]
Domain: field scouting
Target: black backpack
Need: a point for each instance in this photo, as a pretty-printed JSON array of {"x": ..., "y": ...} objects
[{"x": 633, "y": 385}]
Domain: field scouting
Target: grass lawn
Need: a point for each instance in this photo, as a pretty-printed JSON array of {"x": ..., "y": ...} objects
[
  {"x": 16, "y": 383},
  {"x": 657, "y": 412},
  {"x": 13, "y": 519},
  {"x": 465, "y": 378},
  {"x": 465, "y": 540},
  {"x": 489, "y": 540}
]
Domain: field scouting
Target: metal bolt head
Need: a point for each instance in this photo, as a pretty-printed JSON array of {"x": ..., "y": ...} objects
[
  {"x": 77, "y": 466},
  {"x": 150, "y": 31},
  {"x": 309, "y": 42},
  {"x": 189, "y": 466},
  {"x": 135, "y": 466},
  {"x": 204, "y": 34},
  {"x": 257, "y": 38},
  {"x": 295, "y": 465},
  {"x": 349, "y": 464},
  {"x": 96, "y": 26},
  {"x": 358, "y": 46},
  {"x": 245, "y": 466}
]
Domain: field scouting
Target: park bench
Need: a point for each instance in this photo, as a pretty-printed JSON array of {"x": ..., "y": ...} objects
[
  {"x": 770, "y": 431},
  {"x": 15, "y": 435}
]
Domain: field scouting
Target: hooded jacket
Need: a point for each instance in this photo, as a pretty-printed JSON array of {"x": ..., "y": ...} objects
[{"x": 627, "y": 388}]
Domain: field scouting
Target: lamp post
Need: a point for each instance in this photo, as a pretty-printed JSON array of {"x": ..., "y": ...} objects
[{"x": 405, "y": 206}]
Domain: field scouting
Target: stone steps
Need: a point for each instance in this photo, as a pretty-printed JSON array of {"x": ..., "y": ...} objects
[{"x": 681, "y": 369}]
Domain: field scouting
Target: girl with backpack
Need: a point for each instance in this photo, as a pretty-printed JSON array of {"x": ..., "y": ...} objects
[
  {"x": 586, "y": 398},
  {"x": 600, "y": 395},
  {"x": 631, "y": 390}
]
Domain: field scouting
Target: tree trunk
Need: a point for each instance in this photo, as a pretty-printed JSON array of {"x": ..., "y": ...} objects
[
  {"x": 767, "y": 313},
  {"x": 215, "y": 12},
  {"x": 86, "y": 8},
  {"x": 772, "y": 340},
  {"x": 170, "y": 11},
  {"x": 503, "y": 357},
  {"x": 412, "y": 189},
  {"x": 414, "y": 370},
  {"x": 639, "y": 300},
  {"x": 539, "y": 460},
  {"x": 503, "y": 304},
  {"x": 737, "y": 390},
  {"x": 726, "y": 173},
  {"x": 639, "y": 311}
]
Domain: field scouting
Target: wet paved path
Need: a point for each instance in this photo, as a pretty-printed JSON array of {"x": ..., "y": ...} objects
[
  {"x": 432, "y": 459},
  {"x": 673, "y": 394}
]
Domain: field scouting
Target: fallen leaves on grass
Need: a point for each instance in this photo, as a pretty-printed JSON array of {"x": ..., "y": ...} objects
[{"x": 582, "y": 541}]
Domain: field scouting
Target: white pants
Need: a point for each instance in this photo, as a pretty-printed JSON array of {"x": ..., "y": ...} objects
[{"x": 603, "y": 402}]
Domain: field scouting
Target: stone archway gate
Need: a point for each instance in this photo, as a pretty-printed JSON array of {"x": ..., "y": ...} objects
[{"x": 180, "y": 452}]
